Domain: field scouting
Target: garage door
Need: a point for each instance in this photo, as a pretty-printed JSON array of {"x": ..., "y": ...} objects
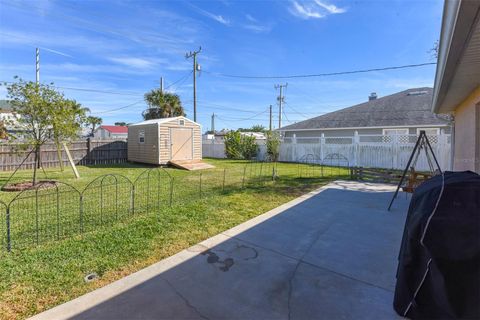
[{"x": 181, "y": 143}]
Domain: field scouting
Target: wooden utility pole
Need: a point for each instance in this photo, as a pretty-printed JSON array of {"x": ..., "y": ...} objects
[
  {"x": 196, "y": 68},
  {"x": 280, "y": 102},
  {"x": 270, "y": 126}
]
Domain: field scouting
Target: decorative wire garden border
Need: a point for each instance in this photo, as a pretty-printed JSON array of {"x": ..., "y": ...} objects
[
  {"x": 45, "y": 212},
  {"x": 49, "y": 213},
  {"x": 311, "y": 166}
]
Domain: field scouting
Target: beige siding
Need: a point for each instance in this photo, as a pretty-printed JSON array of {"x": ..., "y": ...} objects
[
  {"x": 164, "y": 139},
  {"x": 467, "y": 134},
  {"x": 146, "y": 152}
]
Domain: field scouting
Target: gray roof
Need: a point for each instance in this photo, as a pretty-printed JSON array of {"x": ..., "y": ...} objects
[{"x": 407, "y": 108}]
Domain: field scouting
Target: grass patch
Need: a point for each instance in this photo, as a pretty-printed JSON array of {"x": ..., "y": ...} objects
[{"x": 38, "y": 278}]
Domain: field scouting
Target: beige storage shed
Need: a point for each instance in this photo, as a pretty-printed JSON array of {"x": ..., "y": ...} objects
[{"x": 159, "y": 141}]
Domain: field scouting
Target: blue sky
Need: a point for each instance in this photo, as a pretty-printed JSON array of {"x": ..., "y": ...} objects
[{"x": 118, "y": 50}]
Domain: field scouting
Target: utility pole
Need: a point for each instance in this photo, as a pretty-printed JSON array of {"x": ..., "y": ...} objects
[
  {"x": 213, "y": 123},
  {"x": 161, "y": 84},
  {"x": 270, "y": 118},
  {"x": 196, "y": 68},
  {"x": 213, "y": 128},
  {"x": 37, "y": 66},
  {"x": 280, "y": 102}
]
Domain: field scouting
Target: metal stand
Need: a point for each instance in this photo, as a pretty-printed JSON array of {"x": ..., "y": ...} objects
[{"x": 422, "y": 143}]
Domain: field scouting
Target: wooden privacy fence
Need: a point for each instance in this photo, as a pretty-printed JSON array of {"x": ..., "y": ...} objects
[{"x": 84, "y": 152}]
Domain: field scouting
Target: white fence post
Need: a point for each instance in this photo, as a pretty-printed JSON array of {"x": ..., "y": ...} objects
[
  {"x": 443, "y": 157},
  {"x": 294, "y": 144},
  {"x": 356, "y": 141},
  {"x": 322, "y": 146}
]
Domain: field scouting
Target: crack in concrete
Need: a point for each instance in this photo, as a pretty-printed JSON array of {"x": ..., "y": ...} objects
[
  {"x": 294, "y": 273},
  {"x": 310, "y": 264},
  {"x": 185, "y": 300}
]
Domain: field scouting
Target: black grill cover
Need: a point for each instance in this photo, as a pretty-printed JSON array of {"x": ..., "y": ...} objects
[{"x": 443, "y": 273}]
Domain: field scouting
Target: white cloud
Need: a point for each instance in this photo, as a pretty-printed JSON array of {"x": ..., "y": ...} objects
[
  {"x": 139, "y": 63},
  {"x": 210, "y": 15},
  {"x": 330, "y": 7},
  {"x": 258, "y": 28},
  {"x": 313, "y": 10},
  {"x": 250, "y": 18},
  {"x": 255, "y": 26},
  {"x": 305, "y": 11}
]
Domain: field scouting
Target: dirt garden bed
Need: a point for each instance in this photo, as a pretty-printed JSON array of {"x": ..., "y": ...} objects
[{"x": 25, "y": 185}]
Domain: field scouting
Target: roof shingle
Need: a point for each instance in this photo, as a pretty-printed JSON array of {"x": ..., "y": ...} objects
[{"x": 406, "y": 108}]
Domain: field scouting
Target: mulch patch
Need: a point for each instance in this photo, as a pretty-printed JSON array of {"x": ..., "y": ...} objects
[{"x": 25, "y": 185}]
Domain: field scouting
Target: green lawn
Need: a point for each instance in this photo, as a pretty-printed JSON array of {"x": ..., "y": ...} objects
[{"x": 115, "y": 242}]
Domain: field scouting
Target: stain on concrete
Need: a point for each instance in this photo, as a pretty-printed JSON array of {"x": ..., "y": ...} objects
[
  {"x": 244, "y": 252},
  {"x": 241, "y": 252}
]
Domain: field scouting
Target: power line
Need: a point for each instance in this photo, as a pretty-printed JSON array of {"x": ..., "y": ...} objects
[
  {"x": 89, "y": 90},
  {"x": 244, "y": 119},
  {"x": 116, "y": 109},
  {"x": 179, "y": 80},
  {"x": 297, "y": 112},
  {"x": 321, "y": 74}
]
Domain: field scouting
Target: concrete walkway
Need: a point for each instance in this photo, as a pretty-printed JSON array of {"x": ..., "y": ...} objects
[{"x": 331, "y": 254}]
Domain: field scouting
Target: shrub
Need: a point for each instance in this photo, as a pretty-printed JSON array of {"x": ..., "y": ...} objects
[
  {"x": 249, "y": 147},
  {"x": 238, "y": 146},
  {"x": 273, "y": 145}
]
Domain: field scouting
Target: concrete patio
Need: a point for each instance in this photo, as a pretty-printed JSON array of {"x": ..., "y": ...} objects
[{"x": 331, "y": 254}]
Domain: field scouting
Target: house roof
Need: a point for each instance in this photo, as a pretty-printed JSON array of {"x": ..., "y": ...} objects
[
  {"x": 159, "y": 121},
  {"x": 458, "y": 66},
  {"x": 406, "y": 108},
  {"x": 115, "y": 129},
  {"x": 256, "y": 135}
]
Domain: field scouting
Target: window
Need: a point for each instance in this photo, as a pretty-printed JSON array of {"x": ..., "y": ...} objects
[
  {"x": 181, "y": 122},
  {"x": 141, "y": 136}
]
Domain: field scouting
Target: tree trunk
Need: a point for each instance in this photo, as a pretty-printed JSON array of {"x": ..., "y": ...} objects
[{"x": 36, "y": 164}]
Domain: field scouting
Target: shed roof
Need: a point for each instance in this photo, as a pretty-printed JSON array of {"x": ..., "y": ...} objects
[
  {"x": 411, "y": 107},
  {"x": 160, "y": 121},
  {"x": 115, "y": 129}
]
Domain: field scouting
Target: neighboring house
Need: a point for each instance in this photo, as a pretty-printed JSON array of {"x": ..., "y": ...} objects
[
  {"x": 219, "y": 136},
  {"x": 260, "y": 137},
  {"x": 457, "y": 81},
  {"x": 403, "y": 113},
  {"x": 111, "y": 132},
  {"x": 10, "y": 120}
]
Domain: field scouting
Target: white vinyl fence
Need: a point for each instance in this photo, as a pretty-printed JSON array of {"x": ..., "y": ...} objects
[{"x": 374, "y": 151}]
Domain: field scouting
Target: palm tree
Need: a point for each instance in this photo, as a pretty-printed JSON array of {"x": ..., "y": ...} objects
[
  {"x": 93, "y": 122},
  {"x": 162, "y": 105}
]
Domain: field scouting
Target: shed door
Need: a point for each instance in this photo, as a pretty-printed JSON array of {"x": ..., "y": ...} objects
[{"x": 181, "y": 143}]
